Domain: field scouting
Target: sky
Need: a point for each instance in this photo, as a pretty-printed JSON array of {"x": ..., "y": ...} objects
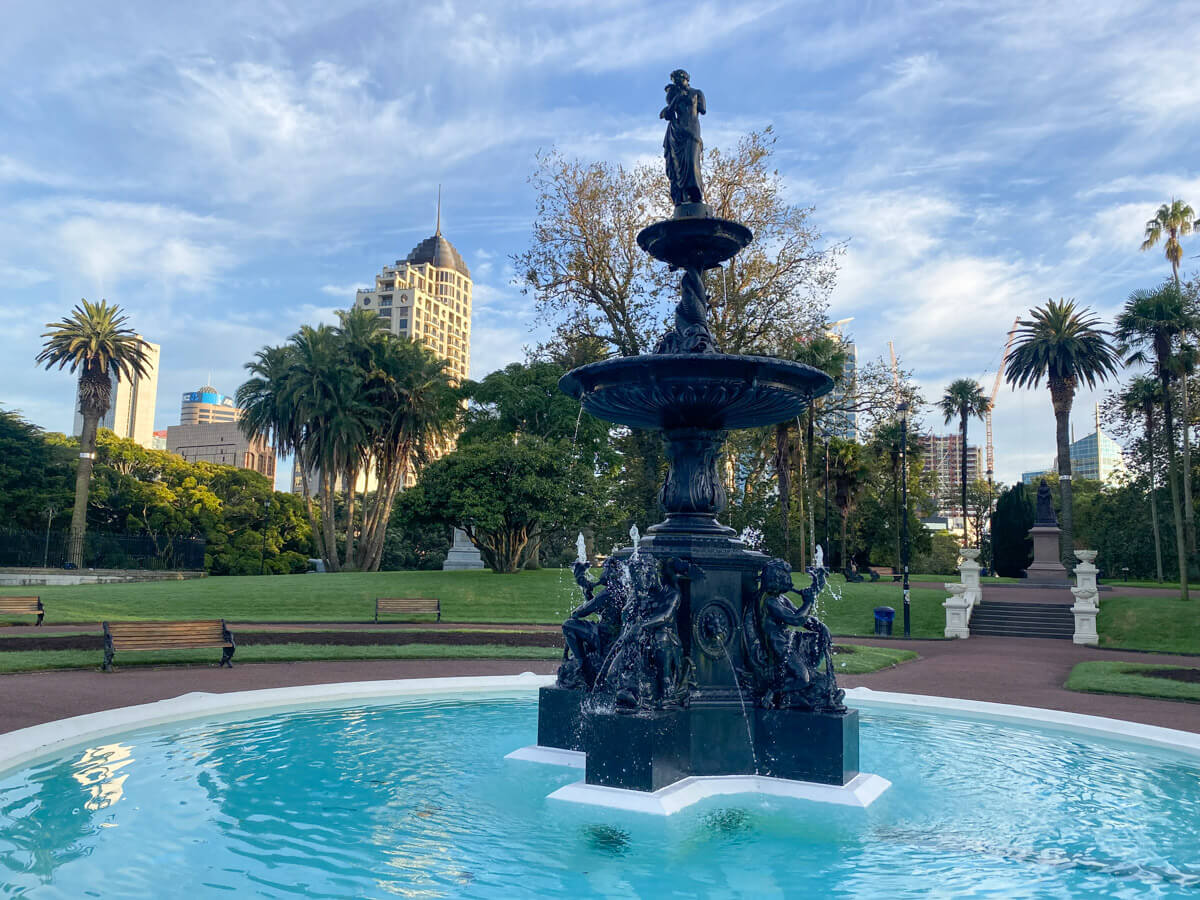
[{"x": 229, "y": 172}]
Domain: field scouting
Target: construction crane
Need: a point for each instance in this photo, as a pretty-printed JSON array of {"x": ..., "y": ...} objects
[
  {"x": 895, "y": 372},
  {"x": 991, "y": 453}
]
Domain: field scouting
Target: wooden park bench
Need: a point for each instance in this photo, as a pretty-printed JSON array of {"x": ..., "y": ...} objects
[
  {"x": 408, "y": 606},
  {"x": 22, "y": 606},
  {"x": 125, "y": 636}
]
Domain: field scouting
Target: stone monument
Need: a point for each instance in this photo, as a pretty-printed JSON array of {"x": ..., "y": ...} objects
[
  {"x": 1047, "y": 567},
  {"x": 463, "y": 554}
]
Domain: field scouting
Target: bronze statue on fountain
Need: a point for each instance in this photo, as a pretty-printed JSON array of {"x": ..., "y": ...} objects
[{"x": 712, "y": 670}]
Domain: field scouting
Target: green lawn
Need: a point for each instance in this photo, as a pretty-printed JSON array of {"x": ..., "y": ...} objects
[
  {"x": 1164, "y": 624},
  {"x": 858, "y": 661},
  {"x": 1122, "y": 678},
  {"x": 545, "y": 596}
]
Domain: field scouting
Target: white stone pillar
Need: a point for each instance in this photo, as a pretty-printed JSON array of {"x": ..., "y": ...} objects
[
  {"x": 969, "y": 570},
  {"x": 1087, "y": 599},
  {"x": 958, "y": 610}
]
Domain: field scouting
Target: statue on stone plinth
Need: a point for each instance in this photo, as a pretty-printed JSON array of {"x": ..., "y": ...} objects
[
  {"x": 1045, "y": 506},
  {"x": 792, "y": 651},
  {"x": 682, "y": 146}
]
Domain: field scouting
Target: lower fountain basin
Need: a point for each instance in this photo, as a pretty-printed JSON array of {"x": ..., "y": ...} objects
[
  {"x": 695, "y": 390},
  {"x": 411, "y": 795}
]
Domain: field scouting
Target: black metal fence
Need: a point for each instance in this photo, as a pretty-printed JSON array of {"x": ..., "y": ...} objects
[{"x": 32, "y": 549}]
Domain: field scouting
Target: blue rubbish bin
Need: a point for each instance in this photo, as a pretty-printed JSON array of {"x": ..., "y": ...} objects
[{"x": 884, "y": 616}]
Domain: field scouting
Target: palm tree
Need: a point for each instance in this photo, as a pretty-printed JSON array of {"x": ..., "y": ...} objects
[
  {"x": 1146, "y": 329},
  {"x": 1142, "y": 397},
  {"x": 849, "y": 471},
  {"x": 828, "y": 353},
  {"x": 965, "y": 399},
  {"x": 1174, "y": 220},
  {"x": 1066, "y": 346},
  {"x": 93, "y": 340}
]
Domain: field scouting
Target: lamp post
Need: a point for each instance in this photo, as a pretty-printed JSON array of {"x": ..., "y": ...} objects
[{"x": 903, "y": 410}]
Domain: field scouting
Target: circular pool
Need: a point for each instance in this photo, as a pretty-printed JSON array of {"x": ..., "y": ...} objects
[{"x": 413, "y": 797}]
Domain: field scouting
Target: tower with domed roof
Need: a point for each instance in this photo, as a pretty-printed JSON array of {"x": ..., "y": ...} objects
[{"x": 427, "y": 296}]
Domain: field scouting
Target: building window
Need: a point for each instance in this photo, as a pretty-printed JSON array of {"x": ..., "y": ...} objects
[
  {"x": 366, "y": 301},
  {"x": 385, "y": 300}
]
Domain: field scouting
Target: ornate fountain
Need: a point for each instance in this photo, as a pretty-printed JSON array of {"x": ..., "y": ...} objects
[{"x": 697, "y": 663}]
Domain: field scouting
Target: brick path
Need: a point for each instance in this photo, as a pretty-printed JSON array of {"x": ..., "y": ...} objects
[{"x": 1026, "y": 672}]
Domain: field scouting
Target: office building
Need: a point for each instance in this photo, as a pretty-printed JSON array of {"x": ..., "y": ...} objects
[
  {"x": 1095, "y": 456},
  {"x": 841, "y": 422},
  {"x": 159, "y": 440},
  {"x": 207, "y": 405},
  {"x": 427, "y": 296},
  {"x": 131, "y": 409},
  {"x": 224, "y": 444}
]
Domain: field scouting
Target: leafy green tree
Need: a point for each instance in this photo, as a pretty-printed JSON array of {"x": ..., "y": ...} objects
[
  {"x": 1142, "y": 398},
  {"x": 1066, "y": 346},
  {"x": 963, "y": 398},
  {"x": 503, "y": 494},
  {"x": 35, "y": 475},
  {"x": 94, "y": 341},
  {"x": 1147, "y": 329},
  {"x": 1012, "y": 547},
  {"x": 849, "y": 471}
]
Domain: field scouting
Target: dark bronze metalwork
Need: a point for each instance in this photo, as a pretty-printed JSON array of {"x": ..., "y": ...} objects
[
  {"x": 1045, "y": 507},
  {"x": 697, "y": 662}
]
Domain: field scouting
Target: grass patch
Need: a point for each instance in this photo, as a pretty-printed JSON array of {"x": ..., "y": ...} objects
[
  {"x": 1162, "y": 624},
  {"x": 862, "y": 660},
  {"x": 1103, "y": 677},
  {"x": 545, "y": 596},
  {"x": 34, "y": 660}
]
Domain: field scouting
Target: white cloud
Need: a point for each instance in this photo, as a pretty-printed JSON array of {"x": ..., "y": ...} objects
[{"x": 345, "y": 292}]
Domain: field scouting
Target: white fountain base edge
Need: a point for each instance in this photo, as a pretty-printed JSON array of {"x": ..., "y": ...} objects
[{"x": 861, "y": 791}]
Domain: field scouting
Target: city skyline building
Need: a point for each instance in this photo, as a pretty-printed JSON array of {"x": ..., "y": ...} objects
[
  {"x": 1096, "y": 456},
  {"x": 131, "y": 408},
  {"x": 207, "y": 405},
  {"x": 427, "y": 296},
  {"x": 224, "y": 444},
  {"x": 941, "y": 455},
  {"x": 842, "y": 423}
]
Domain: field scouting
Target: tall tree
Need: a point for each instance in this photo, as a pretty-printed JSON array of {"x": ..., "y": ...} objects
[
  {"x": 849, "y": 470},
  {"x": 1142, "y": 397},
  {"x": 964, "y": 399},
  {"x": 1171, "y": 222},
  {"x": 1147, "y": 329},
  {"x": 94, "y": 341},
  {"x": 1065, "y": 346}
]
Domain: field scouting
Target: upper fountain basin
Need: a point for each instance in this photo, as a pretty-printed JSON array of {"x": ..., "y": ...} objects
[
  {"x": 700, "y": 242},
  {"x": 694, "y": 390}
]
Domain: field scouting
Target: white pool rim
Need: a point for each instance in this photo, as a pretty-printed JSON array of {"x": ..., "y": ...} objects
[{"x": 20, "y": 748}]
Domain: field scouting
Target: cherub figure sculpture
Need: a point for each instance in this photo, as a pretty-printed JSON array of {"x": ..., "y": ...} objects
[
  {"x": 646, "y": 668},
  {"x": 791, "y": 650},
  {"x": 587, "y": 641}
]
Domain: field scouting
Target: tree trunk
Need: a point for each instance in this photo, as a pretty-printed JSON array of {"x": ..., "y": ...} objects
[
  {"x": 327, "y": 497},
  {"x": 1158, "y": 568},
  {"x": 1173, "y": 482},
  {"x": 801, "y": 502},
  {"x": 783, "y": 476},
  {"x": 962, "y": 476},
  {"x": 810, "y": 487},
  {"x": 348, "y": 554},
  {"x": 1062, "y": 397},
  {"x": 83, "y": 483},
  {"x": 1189, "y": 514},
  {"x": 845, "y": 556}
]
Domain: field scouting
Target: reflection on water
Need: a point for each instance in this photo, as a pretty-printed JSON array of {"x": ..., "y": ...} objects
[{"x": 97, "y": 771}]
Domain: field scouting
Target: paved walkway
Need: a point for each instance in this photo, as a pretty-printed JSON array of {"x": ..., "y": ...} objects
[{"x": 1026, "y": 672}]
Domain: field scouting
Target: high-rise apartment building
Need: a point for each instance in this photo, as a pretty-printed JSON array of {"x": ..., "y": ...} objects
[
  {"x": 941, "y": 454},
  {"x": 131, "y": 411},
  {"x": 839, "y": 421},
  {"x": 427, "y": 296},
  {"x": 207, "y": 405}
]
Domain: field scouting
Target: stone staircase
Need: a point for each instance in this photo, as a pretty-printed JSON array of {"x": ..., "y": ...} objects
[{"x": 1031, "y": 620}]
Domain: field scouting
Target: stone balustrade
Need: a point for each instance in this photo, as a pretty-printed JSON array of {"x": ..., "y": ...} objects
[
  {"x": 965, "y": 594},
  {"x": 1087, "y": 599}
]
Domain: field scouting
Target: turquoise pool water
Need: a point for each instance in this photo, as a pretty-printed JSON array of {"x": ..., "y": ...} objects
[{"x": 414, "y": 799}]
